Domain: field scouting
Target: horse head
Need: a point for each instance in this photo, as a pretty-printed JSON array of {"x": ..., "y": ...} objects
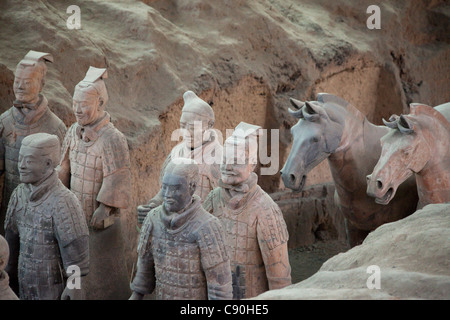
[
  {"x": 405, "y": 151},
  {"x": 315, "y": 136}
]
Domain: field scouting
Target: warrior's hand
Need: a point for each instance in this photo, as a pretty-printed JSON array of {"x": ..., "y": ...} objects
[
  {"x": 143, "y": 210},
  {"x": 136, "y": 296},
  {"x": 100, "y": 216}
]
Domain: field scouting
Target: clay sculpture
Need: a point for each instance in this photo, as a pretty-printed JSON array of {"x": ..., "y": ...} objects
[
  {"x": 95, "y": 165},
  {"x": 182, "y": 252},
  {"x": 6, "y": 293},
  {"x": 331, "y": 128},
  {"x": 200, "y": 142},
  {"x": 417, "y": 144},
  {"x": 29, "y": 114},
  {"x": 256, "y": 231},
  {"x": 45, "y": 225}
]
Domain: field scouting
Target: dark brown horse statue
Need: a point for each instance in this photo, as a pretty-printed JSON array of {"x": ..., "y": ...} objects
[
  {"x": 417, "y": 144},
  {"x": 331, "y": 128}
]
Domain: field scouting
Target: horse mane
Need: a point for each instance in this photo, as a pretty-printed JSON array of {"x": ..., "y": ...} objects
[
  {"x": 328, "y": 99},
  {"x": 416, "y": 110}
]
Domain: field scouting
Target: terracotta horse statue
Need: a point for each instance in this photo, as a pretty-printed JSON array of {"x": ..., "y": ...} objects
[
  {"x": 331, "y": 128},
  {"x": 418, "y": 143}
]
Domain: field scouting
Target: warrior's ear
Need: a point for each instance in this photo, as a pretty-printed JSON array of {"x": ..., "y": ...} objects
[
  {"x": 405, "y": 125},
  {"x": 313, "y": 111},
  {"x": 100, "y": 101},
  {"x": 298, "y": 105}
]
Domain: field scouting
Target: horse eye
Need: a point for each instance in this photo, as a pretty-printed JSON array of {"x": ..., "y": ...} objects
[{"x": 314, "y": 139}]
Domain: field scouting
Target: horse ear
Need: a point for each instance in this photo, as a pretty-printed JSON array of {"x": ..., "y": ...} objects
[
  {"x": 312, "y": 111},
  {"x": 405, "y": 125},
  {"x": 392, "y": 123},
  {"x": 298, "y": 105}
]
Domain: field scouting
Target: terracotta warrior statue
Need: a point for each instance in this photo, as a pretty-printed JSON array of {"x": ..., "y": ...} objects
[
  {"x": 182, "y": 251},
  {"x": 29, "y": 114},
  {"x": 45, "y": 226},
  {"x": 95, "y": 165},
  {"x": 256, "y": 231},
  {"x": 6, "y": 293},
  {"x": 200, "y": 142}
]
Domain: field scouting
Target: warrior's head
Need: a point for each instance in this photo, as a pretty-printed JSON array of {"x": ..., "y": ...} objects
[
  {"x": 90, "y": 97},
  {"x": 179, "y": 183},
  {"x": 38, "y": 157},
  {"x": 197, "y": 120},
  {"x": 30, "y": 76},
  {"x": 240, "y": 154}
]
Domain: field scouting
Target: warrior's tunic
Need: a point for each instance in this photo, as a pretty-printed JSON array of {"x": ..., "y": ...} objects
[
  {"x": 15, "y": 125},
  {"x": 49, "y": 225},
  {"x": 183, "y": 256},
  {"x": 256, "y": 238},
  {"x": 95, "y": 165}
]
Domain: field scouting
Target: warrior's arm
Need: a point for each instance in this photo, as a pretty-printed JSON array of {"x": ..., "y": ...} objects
[
  {"x": 272, "y": 238},
  {"x": 76, "y": 253},
  {"x": 2, "y": 150},
  {"x": 64, "y": 165},
  {"x": 72, "y": 233},
  {"x": 13, "y": 239},
  {"x": 144, "y": 281},
  {"x": 215, "y": 260},
  {"x": 116, "y": 184}
]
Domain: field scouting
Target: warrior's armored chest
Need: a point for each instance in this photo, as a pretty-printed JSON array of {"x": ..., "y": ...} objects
[
  {"x": 178, "y": 267},
  {"x": 39, "y": 268},
  {"x": 86, "y": 172}
]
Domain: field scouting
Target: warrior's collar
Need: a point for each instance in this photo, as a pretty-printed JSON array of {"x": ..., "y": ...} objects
[
  {"x": 90, "y": 132},
  {"x": 175, "y": 220},
  {"x": 28, "y": 113},
  {"x": 243, "y": 190},
  {"x": 38, "y": 192}
]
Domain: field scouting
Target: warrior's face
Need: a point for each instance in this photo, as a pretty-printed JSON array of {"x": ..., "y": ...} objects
[
  {"x": 176, "y": 192},
  {"x": 27, "y": 84},
  {"x": 86, "y": 106},
  {"x": 195, "y": 129},
  {"x": 236, "y": 167},
  {"x": 33, "y": 167}
]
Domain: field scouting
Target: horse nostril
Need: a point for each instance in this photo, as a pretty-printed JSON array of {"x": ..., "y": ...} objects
[
  {"x": 292, "y": 177},
  {"x": 379, "y": 184}
]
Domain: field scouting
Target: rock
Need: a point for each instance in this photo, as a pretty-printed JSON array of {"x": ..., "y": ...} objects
[{"x": 413, "y": 256}]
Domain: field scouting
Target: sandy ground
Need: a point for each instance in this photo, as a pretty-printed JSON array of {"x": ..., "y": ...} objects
[{"x": 305, "y": 261}]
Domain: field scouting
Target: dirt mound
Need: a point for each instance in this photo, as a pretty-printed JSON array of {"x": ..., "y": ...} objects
[{"x": 412, "y": 256}]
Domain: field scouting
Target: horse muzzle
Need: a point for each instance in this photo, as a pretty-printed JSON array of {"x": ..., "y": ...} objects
[{"x": 293, "y": 181}]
